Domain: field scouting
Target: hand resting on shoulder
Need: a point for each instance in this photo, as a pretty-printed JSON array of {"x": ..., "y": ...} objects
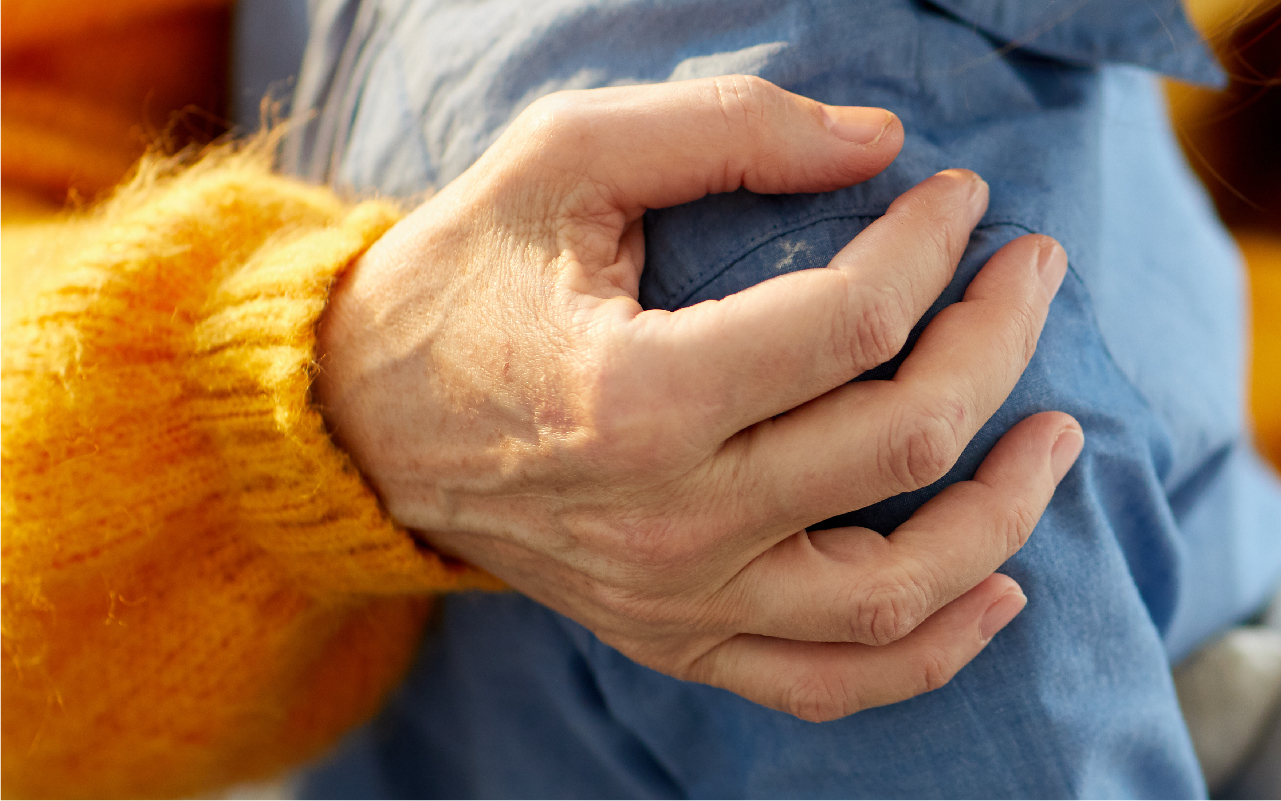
[{"x": 651, "y": 474}]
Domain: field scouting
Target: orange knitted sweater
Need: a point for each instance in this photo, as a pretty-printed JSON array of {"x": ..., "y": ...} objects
[{"x": 197, "y": 585}]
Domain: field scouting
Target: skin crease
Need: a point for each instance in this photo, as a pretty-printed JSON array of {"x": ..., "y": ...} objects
[{"x": 651, "y": 474}]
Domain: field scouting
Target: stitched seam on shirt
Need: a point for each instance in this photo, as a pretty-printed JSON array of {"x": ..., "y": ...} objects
[{"x": 778, "y": 231}]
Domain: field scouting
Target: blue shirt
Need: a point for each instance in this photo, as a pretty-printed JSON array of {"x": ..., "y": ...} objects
[{"x": 1164, "y": 533}]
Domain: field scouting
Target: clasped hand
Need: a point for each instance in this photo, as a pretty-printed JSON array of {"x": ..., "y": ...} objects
[{"x": 651, "y": 474}]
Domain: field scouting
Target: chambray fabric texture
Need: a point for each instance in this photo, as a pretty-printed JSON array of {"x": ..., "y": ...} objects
[{"x": 1163, "y": 534}]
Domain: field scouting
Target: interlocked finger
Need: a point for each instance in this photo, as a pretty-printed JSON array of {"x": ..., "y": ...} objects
[
  {"x": 853, "y": 585},
  {"x": 824, "y": 326},
  {"x": 824, "y": 681},
  {"x": 812, "y": 462}
]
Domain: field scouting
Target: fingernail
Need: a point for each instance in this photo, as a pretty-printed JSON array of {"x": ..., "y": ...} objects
[
  {"x": 999, "y": 614},
  {"x": 863, "y": 126},
  {"x": 976, "y": 187},
  {"x": 1064, "y": 452},
  {"x": 1051, "y": 264}
]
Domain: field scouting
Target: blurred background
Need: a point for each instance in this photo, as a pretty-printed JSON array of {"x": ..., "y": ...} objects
[
  {"x": 1233, "y": 140},
  {"x": 87, "y": 86}
]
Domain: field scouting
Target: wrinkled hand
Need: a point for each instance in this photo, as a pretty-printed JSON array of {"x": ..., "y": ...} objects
[{"x": 651, "y": 474}]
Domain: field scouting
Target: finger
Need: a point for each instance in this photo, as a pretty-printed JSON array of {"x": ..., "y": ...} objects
[
  {"x": 822, "y": 327},
  {"x": 814, "y": 462},
  {"x": 853, "y": 585},
  {"x": 825, "y": 681},
  {"x": 661, "y": 145}
]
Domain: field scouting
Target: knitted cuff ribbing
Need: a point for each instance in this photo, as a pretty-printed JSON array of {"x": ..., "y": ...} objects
[
  {"x": 301, "y": 498},
  {"x": 165, "y": 375}
]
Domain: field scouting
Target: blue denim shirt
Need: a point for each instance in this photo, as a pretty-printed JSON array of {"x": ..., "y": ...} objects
[{"x": 1164, "y": 533}]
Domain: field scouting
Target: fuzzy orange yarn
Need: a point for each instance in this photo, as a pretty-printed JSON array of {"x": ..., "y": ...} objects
[{"x": 198, "y": 587}]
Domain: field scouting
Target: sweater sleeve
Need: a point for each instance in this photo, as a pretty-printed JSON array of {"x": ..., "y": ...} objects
[{"x": 198, "y": 587}]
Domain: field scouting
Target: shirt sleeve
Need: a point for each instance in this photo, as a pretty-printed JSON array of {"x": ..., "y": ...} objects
[{"x": 198, "y": 586}]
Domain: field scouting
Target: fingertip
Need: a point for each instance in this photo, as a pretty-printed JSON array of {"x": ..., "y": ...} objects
[
  {"x": 965, "y": 188},
  {"x": 1051, "y": 264},
  {"x": 970, "y": 182},
  {"x": 999, "y": 584},
  {"x": 893, "y": 133},
  {"x": 876, "y": 132},
  {"x": 962, "y": 176},
  {"x": 1053, "y": 435},
  {"x": 1001, "y": 612},
  {"x": 1065, "y": 450},
  {"x": 858, "y": 124}
]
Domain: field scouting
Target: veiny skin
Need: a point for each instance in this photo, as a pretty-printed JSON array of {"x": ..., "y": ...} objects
[{"x": 651, "y": 474}]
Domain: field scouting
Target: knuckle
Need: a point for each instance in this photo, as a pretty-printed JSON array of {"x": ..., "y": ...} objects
[
  {"x": 1016, "y": 524},
  {"x": 619, "y": 431},
  {"x": 741, "y": 99},
  {"x": 890, "y": 611},
  {"x": 610, "y": 431},
  {"x": 632, "y": 445},
  {"x": 664, "y": 551},
  {"x": 946, "y": 240},
  {"x": 651, "y": 548},
  {"x": 554, "y": 119},
  {"x": 920, "y": 445},
  {"x": 628, "y": 417},
  {"x": 819, "y": 697},
  {"x": 873, "y": 328},
  {"x": 1025, "y": 330},
  {"x": 634, "y": 607},
  {"x": 934, "y": 668},
  {"x": 552, "y": 108}
]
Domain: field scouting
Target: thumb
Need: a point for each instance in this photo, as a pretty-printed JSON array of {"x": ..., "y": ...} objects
[{"x": 660, "y": 145}]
